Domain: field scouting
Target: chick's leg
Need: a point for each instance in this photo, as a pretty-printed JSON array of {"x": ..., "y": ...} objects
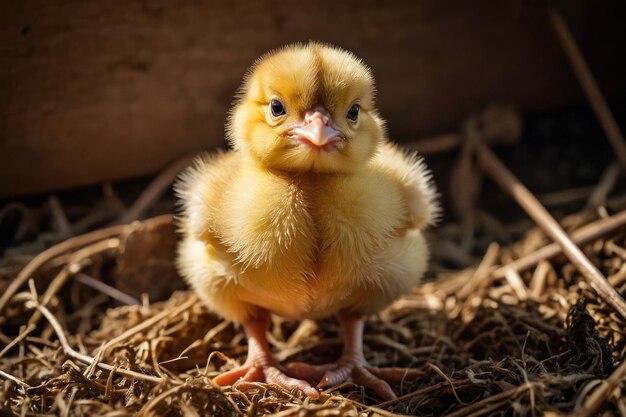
[
  {"x": 352, "y": 365},
  {"x": 260, "y": 365}
]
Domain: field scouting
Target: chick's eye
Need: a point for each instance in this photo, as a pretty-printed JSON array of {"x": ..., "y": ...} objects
[
  {"x": 353, "y": 113},
  {"x": 277, "y": 108}
]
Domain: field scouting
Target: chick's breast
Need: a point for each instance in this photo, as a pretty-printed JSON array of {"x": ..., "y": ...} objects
[{"x": 303, "y": 247}]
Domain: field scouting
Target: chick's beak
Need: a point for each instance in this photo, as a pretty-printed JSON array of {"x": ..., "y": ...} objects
[{"x": 318, "y": 131}]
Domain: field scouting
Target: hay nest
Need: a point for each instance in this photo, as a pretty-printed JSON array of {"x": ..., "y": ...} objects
[{"x": 81, "y": 336}]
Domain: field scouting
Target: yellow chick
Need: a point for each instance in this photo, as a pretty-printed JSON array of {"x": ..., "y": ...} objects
[{"x": 311, "y": 214}]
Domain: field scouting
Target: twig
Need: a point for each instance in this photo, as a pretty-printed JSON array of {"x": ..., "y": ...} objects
[
  {"x": 153, "y": 345},
  {"x": 516, "y": 282},
  {"x": 427, "y": 390},
  {"x": 60, "y": 219},
  {"x": 150, "y": 322},
  {"x": 596, "y": 400},
  {"x": 14, "y": 379},
  {"x": 73, "y": 266},
  {"x": 619, "y": 277},
  {"x": 500, "y": 124},
  {"x": 436, "y": 144},
  {"x": 92, "y": 366},
  {"x": 376, "y": 410},
  {"x": 53, "y": 252},
  {"x": 481, "y": 272},
  {"x": 466, "y": 182},
  {"x": 66, "y": 413},
  {"x": 23, "y": 334},
  {"x": 590, "y": 87},
  {"x": 147, "y": 408},
  {"x": 154, "y": 190},
  {"x": 562, "y": 197},
  {"x": 539, "y": 278},
  {"x": 69, "y": 351},
  {"x": 501, "y": 175},
  {"x": 106, "y": 289},
  {"x": 214, "y": 331},
  {"x": 448, "y": 380},
  {"x": 26, "y": 223},
  {"x": 384, "y": 340},
  {"x": 604, "y": 187},
  {"x": 481, "y": 407},
  {"x": 586, "y": 234}
]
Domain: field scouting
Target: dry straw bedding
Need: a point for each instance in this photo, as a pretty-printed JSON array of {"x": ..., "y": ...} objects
[{"x": 487, "y": 343}]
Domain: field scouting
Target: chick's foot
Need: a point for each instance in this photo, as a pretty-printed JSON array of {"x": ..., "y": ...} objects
[
  {"x": 260, "y": 366},
  {"x": 352, "y": 366},
  {"x": 258, "y": 372},
  {"x": 353, "y": 370}
]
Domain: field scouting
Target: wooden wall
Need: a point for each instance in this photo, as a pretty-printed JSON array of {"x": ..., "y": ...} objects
[{"x": 96, "y": 90}]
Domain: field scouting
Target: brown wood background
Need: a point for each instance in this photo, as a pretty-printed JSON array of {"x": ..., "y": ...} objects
[{"x": 96, "y": 90}]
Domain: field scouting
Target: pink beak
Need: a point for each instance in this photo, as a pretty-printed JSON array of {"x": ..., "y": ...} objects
[{"x": 318, "y": 131}]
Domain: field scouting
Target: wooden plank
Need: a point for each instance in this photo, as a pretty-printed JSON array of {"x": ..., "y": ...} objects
[{"x": 94, "y": 91}]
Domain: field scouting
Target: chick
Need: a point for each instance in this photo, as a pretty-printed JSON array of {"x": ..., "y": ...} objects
[{"x": 311, "y": 214}]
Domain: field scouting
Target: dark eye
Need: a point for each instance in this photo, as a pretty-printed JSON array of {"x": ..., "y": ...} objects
[
  {"x": 277, "y": 108},
  {"x": 353, "y": 113}
]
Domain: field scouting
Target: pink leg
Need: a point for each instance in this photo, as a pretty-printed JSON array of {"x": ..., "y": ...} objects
[
  {"x": 352, "y": 366},
  {"x": 260, "y": 365}
]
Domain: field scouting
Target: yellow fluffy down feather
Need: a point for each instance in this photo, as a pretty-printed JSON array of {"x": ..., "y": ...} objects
[{"x": 295, "y": 230}]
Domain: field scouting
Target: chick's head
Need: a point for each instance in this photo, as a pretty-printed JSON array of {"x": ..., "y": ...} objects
[{"x": 307, "y": 108}]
